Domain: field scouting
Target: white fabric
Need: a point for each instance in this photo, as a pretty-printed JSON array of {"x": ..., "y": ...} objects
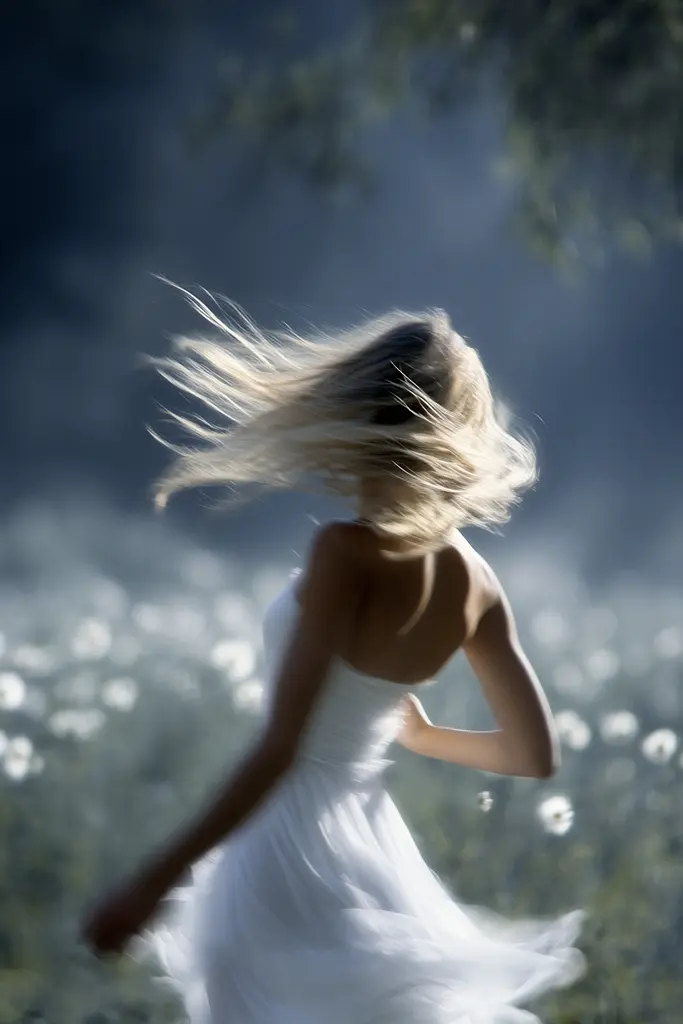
[{"x": 321, "y": 910}]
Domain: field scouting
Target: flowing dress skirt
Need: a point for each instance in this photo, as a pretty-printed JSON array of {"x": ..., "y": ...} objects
[{"x": 321, "y": 910}]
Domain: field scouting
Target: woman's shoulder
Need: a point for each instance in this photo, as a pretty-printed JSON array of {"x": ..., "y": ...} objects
[
  {"x": 360, "y": 540},
  {"x": 348, "y": 539},
  {"x": 476, "y": 566},
  {"x": 335, "y": 554}
]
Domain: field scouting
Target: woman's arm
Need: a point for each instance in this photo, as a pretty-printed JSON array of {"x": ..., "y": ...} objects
[
  {"x": 525, "y": 743},
  {"x": 330, "y": 591}
]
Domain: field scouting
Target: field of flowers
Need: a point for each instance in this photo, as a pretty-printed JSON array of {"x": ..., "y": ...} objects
[{"x": 131, "y": 671}]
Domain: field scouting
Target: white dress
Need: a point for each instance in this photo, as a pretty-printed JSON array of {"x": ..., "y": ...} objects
[{"x": 321, "y": 910}]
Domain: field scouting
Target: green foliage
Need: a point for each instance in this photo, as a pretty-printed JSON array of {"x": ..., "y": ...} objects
[{"x": 590, "y": 90}]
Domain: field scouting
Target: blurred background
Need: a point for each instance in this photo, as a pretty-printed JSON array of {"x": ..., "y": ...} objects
[{"x": 520, "y": 166}]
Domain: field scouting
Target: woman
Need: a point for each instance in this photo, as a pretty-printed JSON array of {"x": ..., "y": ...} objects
[{"x": 315, "y": 906}]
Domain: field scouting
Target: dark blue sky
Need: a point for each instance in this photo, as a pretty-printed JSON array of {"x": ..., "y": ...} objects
[{"x": 99, "y": 192}]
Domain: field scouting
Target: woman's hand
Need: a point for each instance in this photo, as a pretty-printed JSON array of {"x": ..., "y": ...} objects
[
  {"x": 123, "y": 914},
  {"x": 415, "y": 724}
]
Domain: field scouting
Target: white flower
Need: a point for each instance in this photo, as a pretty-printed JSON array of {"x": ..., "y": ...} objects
[
  {"x": 19, "y": 747},
  {"x": 79, "y": 723},
  {"x": 619, "y": 727},
  {"x": 91, "y": 640},
  {"x": 248, "y": 696},
  {"x": 39, "y": 661},
  {"x": 660, "y": 746},
  {"x": 485, "y": 801},
  {"x": 17, "y": 757},
  {"x": 556, "y": 814},
  {"x": 16, "y": 768},
  {"x": 121, "y": 693},
  {"x": 236, "y": 657},
  {"x": 572, "y": 730},
  {"x": 12, "y": 691}
]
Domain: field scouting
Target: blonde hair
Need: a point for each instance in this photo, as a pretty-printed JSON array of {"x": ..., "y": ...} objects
[{"x": 400, "y": 400}]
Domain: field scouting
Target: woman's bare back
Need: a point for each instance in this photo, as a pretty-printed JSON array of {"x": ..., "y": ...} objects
[{"x": 416, "y": 613}]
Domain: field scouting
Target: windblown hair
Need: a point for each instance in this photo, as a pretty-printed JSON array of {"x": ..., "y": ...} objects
[{"x": 400, "y": 402}]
